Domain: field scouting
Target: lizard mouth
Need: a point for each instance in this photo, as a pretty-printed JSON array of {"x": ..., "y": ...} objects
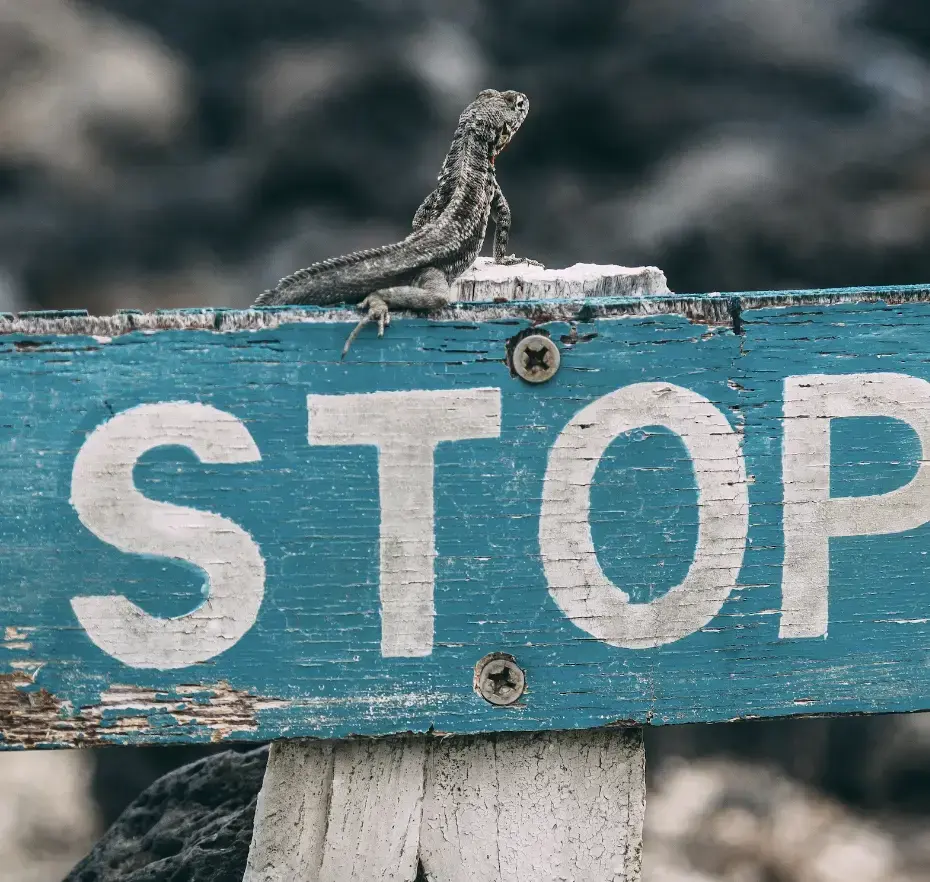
[{"x": 503, "y": 139}]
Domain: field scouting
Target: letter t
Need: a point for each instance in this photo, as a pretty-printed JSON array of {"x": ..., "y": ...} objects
[{"x": 406, "y": 427}]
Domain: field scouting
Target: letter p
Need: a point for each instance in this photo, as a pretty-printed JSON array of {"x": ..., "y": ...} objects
[{"x": 811, "y": 516}]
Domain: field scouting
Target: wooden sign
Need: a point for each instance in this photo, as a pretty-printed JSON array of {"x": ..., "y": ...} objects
[{"x": 213, "y": 528}]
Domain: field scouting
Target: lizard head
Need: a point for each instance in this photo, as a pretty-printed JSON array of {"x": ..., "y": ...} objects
[{"x": 495, "y": 117}]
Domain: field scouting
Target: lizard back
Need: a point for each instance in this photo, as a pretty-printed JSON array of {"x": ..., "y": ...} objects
[{"x": 449, "y": 227}]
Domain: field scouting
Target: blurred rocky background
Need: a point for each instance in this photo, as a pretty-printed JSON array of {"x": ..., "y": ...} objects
[{"x": 178, "y": 153}]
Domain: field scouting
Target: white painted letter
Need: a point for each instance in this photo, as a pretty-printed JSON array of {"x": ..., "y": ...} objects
[
  {"x": 810, "y": 515},
  {"x": 110, "y": 506},
  {"x": 406, "y": 427},
  {"x": 576, "y": 580}
]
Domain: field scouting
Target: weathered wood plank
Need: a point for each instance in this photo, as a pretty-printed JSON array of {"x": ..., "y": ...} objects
[
  {"x": 538, "y": 808},
  {"x": 373, "y": 829},
  {"x": 489, "y": 808},
  {"x": 490, "y": 282},
  {"x": 345, "y": 811},
  {"x": 635, "y": 572},
  {"x": 292, "y": 812}
]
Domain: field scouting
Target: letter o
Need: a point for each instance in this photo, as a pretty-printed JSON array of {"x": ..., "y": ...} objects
[{"x": 576, "y": 581}]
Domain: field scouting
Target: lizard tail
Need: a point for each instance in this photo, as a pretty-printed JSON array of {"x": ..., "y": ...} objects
[{"x": 299, "y": 285}]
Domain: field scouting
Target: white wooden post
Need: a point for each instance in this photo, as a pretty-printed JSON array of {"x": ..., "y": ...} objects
[
  {"x": 347, "y": 810},
  {"x": 544, "y": 807}
]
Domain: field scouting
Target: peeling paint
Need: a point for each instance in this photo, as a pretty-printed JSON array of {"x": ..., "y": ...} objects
[
  {"x": 16, "y": 639},
  {"x": 31, "y": 717}
]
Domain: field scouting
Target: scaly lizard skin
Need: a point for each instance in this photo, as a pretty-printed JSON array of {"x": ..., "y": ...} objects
[{"x": 448, "y": 230}]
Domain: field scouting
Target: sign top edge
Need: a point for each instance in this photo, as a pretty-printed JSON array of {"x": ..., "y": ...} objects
[{"x": 716, "y": 308}]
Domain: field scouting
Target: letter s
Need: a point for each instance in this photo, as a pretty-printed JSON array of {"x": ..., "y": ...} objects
[{"x": 109, "y": 505}]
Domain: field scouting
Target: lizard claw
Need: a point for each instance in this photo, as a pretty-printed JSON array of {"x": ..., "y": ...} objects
[{"x": 377, "y": 311}]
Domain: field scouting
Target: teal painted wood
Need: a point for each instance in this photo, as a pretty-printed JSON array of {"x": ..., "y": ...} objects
[{"x": 316, "y": 660}]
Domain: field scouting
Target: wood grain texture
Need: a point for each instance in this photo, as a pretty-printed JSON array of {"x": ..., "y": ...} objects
[
  {"x": 344, "y": 811},
  {"x": 290, "y": 827},
  {"x": 373, "y": 828},
  {"x": 487, "y": 281},
  {"x": 490, "y": 808},
  {"x": 618, "y": 612},
  {"x": 535, "y": 808}
]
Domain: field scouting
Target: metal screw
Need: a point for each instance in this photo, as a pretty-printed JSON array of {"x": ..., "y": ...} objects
[
  {"x": 536, "y": 358},
  {"x": 498, "y": 679}
]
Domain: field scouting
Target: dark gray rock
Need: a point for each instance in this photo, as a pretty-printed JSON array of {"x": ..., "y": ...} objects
[
  {"x": 192, "y": 825},
  {"x": 122, "y": 773}
]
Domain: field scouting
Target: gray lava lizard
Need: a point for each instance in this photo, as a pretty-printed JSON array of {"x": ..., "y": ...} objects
[{"x": 449, "y": 229}]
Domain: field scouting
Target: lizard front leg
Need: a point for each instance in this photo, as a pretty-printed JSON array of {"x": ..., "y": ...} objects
[
  {"x": 500, "y": 214},
  {"x": 430, "y": 291}
]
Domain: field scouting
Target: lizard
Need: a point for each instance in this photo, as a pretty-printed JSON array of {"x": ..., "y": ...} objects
[{"x": 449, "y": 229}]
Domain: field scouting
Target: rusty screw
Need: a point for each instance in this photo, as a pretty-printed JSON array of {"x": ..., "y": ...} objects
[
  {"x": 536, "y": 358},
  {"x": 499, "y": 679}
]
